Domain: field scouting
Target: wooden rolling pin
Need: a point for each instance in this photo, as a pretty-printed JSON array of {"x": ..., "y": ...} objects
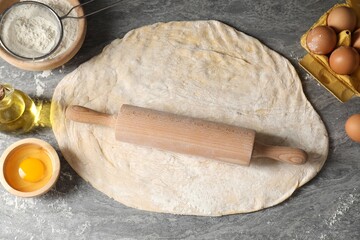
[{"x": 186, "y": 135}]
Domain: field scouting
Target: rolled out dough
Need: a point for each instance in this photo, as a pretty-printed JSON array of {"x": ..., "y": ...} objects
[{"x": 202, "y": 69}]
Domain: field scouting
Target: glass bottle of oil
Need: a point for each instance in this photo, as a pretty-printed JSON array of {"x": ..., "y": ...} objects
[{"x": 18, "y": 113}]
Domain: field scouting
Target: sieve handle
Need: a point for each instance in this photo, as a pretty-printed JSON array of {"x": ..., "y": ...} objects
[{"x": 86, "y": 15}]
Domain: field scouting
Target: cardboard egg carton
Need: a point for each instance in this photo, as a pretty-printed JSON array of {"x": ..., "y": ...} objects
[{"x": 343, "y": 87}]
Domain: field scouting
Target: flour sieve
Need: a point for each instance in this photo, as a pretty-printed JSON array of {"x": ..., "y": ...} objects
[{"x": 31, "y": 30}]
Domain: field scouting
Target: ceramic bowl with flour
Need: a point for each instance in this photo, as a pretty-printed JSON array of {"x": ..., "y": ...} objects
[{"x": 40, "y": 34}]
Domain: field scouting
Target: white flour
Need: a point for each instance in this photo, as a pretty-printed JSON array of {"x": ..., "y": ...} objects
[
  {"x": 40, "y": 37},
  {"x": 70, "y": 26},
  {"x": 30, "y": 31}
]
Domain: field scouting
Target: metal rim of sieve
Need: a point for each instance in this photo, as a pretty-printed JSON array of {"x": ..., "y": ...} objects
[{"x": 56, "y": 19}]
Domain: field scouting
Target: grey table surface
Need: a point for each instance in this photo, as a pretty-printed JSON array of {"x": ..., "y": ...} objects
[{"x": 328, "y": 207}]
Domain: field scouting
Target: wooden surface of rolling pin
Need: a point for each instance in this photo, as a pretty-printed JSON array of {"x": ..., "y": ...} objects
[{"x": 186, "y": 135}]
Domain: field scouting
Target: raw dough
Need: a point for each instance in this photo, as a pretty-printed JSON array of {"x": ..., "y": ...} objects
[{"x": 203, "y": 69}]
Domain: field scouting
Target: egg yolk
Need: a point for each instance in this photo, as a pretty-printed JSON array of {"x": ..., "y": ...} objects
[{"x": 32, "y": 170}]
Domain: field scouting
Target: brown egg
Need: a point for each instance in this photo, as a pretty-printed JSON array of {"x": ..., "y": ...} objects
[
  {"x": 342, "y": 18},
  {"x": 355, "y": 38},
  {"x": 352, "y": 127},
  {"x": 321, "y": 40},
  {"x": 344, "y": 60}
]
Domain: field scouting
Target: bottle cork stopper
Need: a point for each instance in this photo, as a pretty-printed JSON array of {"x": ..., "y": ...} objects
[{"x": 2, "y": 92}]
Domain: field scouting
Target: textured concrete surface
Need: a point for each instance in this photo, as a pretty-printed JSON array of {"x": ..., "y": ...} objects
[{"x": 326, "y": 208}]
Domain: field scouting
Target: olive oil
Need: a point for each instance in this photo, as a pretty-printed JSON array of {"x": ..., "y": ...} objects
[
  {"x": 44, "y": 111},
  {"x": 18, "y": 113}
]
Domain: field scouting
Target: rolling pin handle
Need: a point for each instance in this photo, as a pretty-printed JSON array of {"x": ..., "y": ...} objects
[
  {"x": 85, "y": 115},
  {"x": 283, "y": 154}
]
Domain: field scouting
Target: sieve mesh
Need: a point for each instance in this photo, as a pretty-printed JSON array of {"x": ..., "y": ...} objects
[{"x": 30, "y": 30}]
